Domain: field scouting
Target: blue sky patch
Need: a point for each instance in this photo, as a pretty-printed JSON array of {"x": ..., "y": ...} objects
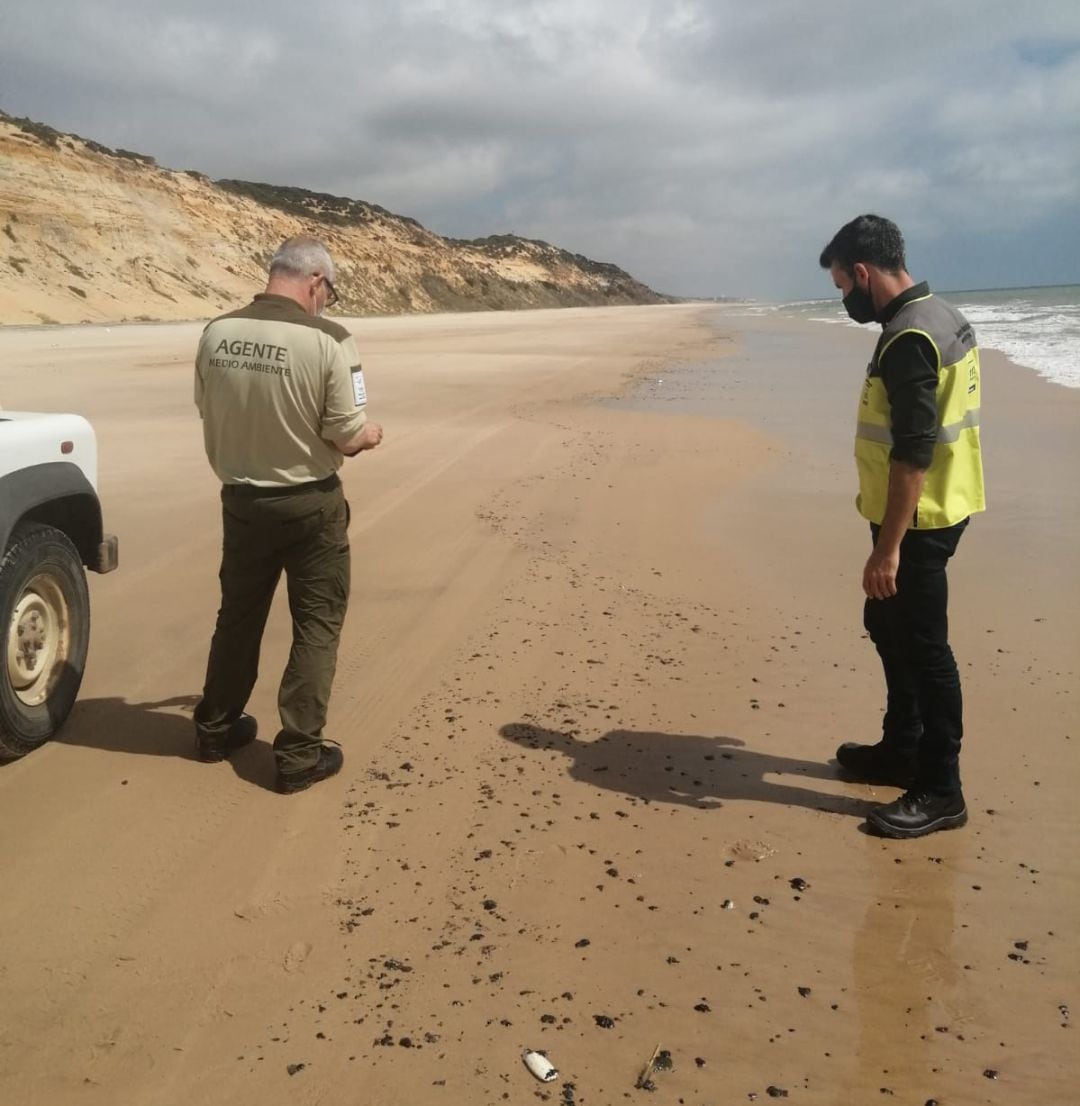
[{"x": 1046, "y": 53}]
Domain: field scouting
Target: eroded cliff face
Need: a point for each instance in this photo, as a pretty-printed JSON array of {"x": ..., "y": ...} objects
[{"x": 89, "y": 234}]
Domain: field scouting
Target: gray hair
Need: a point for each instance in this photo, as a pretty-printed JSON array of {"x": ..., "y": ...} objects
[{"x": 302, "y": 256}]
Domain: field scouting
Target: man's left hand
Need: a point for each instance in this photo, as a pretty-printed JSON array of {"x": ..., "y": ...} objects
[{"x": 879, "y": 575}]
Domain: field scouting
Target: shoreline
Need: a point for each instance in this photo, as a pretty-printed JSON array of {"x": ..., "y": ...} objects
[{"x": 357, "y": 321}]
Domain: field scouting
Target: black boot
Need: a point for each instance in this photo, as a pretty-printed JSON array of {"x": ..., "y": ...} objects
[
  {"x": 917, "y": 813},
  {"x": 211, "y": 749},
  {"x": 879, "y": 763},
  {"x": 329, "y": 764}
]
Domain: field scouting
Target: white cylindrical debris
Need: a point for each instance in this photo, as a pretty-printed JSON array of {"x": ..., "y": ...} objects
[{"x": 540, "y": 1066}]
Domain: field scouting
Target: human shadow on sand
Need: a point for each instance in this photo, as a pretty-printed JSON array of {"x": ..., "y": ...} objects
[
  {"x": 155, "y": 729},
  {"x": 687, "y": 769}
]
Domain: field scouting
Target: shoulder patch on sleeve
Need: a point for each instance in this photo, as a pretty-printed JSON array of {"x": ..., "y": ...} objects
[{"x": 358, "y": 389}]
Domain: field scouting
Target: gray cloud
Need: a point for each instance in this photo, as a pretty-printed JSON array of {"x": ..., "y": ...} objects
[{"x": 707, "y": 147}]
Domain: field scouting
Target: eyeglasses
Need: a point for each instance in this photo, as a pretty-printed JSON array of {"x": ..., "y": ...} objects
[{"x": 333, "y": 299}]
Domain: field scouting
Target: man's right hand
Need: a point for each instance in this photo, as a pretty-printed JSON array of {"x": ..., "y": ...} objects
[{"x": 368, "y": 437}]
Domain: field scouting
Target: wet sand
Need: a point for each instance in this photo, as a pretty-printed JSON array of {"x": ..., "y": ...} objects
[{"x": 605, "y": 637}]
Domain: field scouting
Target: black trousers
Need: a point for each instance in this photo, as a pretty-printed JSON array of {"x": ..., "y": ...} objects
[
  {"x": 303, "y": 535},
  {"x": 924, "y": 715}
]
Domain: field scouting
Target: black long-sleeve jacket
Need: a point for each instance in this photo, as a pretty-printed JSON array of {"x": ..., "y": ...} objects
[{"x": 909, "y": 371}]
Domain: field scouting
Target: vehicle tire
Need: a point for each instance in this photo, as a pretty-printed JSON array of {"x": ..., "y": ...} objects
[{"x": 45, "y": 614}]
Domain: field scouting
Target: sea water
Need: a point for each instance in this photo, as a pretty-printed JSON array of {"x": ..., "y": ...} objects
[{"x": 1036, "y": 327}]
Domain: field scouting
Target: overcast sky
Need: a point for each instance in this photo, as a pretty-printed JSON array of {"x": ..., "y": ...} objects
[{"x": 710, "y": 147}]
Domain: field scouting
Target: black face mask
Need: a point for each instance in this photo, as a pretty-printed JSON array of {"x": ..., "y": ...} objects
[{"x": 859, "y": 305}]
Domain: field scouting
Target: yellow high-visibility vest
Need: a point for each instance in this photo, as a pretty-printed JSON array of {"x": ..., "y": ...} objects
[{"x": 954, "y": 482}]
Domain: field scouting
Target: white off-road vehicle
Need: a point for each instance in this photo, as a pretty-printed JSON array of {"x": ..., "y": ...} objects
[{"x": 50, "y": 528}]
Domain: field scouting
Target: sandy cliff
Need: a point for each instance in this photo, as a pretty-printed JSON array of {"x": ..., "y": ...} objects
[{"x": 93, "y": 234}]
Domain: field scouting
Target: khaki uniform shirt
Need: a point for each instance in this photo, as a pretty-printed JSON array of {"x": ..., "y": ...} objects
[{"x": 276, "y": 387}]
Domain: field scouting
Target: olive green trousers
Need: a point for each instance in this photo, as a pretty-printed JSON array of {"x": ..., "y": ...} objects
[{"x": 266, "y": 532}]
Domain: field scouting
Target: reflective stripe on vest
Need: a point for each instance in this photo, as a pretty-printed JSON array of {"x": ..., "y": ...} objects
[{"x": 951, "y": 433}]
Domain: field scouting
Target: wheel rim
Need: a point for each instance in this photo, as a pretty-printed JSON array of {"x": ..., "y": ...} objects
[{"x": 38, "y": 640}]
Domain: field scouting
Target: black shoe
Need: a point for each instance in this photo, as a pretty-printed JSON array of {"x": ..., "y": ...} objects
[
  {"x": 329, "y": 764},
  {"x": 876, "y": 764},
  {"x": 919, "y": 812},
  {"x": 211, "y": 749}
]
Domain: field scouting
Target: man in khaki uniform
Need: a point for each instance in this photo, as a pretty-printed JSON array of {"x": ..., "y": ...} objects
[{"x": 282, "y": 399}]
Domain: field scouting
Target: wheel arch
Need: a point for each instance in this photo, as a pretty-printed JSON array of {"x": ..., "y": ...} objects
[{"x": 57, "y": 494}]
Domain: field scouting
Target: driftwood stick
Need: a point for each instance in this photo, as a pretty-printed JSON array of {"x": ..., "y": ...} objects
[{"x": 647, "y": 1070}]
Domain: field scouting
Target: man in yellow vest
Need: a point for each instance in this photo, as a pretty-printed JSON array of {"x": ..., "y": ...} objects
[{"x": 920, "y": 479}]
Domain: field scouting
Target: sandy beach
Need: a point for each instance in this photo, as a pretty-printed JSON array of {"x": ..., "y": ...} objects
[{"x": 605, "y": 637}]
